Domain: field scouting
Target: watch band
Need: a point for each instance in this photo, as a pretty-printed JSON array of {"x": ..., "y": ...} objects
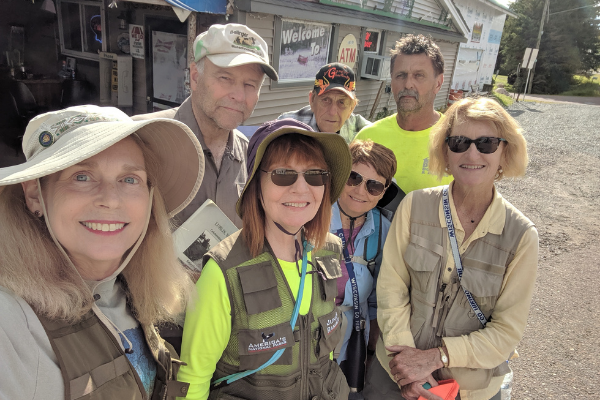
[{"x": 444, "y": 357}]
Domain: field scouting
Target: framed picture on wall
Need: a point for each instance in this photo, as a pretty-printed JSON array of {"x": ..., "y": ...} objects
[{"x": 301, "y": 49}]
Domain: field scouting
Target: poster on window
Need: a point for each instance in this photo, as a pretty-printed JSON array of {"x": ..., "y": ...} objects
[
  {"x": 304, "y": 49},
  {"x": 169, "y": 61}
]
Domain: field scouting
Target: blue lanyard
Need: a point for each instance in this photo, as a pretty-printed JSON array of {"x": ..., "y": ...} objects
[
  {"x": 352, "y": 278},
  {"x": 456, "y": 255},
  {"x": 234, "y": 377}
]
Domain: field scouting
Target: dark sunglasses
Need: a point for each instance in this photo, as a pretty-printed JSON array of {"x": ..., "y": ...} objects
[
  {"x": 484, "y": 144},
  {"x": 373, "y": 187},
  {"x": 287, "y": 177}
]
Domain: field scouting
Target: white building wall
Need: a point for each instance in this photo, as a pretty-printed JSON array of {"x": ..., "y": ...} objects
[{"x": 477, "y": 57}]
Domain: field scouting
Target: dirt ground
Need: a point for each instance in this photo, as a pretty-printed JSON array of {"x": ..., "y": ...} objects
[{"x": 560, "y": 356}]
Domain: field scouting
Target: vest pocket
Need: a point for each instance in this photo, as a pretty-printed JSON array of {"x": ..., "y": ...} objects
[
  {"x": 259, "y": 286},
  {"x": 329, "y": 266},
  {"x": 422, "y": 258},
  {"x": 256, "y": 346},
  {"x": 329, "y": 332},
  {"x": 334, "y": 385}
]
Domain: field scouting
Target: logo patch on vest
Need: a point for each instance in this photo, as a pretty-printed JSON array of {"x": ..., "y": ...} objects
[
  {"x": 332, "y": 323},
  {"x": 268, "y": 343}
]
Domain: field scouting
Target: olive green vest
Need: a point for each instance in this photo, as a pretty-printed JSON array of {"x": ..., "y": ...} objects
[
  {"x": 440, "y": 310},
  {"x": 261, "y": 309},
  {"x": 94, "y": 366}
]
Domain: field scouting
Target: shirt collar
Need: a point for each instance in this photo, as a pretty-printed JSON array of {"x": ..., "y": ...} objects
[
  {"x": 336, "y": 223},
  {"x": 492, "y": 221}
]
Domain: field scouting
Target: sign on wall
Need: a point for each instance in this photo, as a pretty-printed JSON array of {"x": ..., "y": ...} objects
[
  {"x": 304, "y": 49},
  {"x": 348, "y": 51},
  {"x": 136, "y": 41},
  {"x": 169, "y": 61}
]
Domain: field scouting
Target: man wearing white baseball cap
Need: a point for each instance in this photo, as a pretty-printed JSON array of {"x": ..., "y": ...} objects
[{"x": 230, "y": 63}]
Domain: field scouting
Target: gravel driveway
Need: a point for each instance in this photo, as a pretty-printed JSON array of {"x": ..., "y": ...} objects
[{"x": 560, "y": 355}]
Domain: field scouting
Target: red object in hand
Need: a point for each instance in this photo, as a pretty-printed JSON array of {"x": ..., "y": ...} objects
[{"x": 446, "y": 389}]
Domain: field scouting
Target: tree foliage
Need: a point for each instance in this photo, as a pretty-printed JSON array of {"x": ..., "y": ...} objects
[{"x": 570, "y": 43}]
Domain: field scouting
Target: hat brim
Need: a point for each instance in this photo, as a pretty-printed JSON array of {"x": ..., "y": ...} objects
[
  {"x": 179, "y": 153},
  {"x": 340, "y": 88},
  {"x": 336, "y": 152},
  {"x": 228, "y": 60}
]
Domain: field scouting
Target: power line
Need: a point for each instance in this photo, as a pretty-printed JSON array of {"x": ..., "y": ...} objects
[{"x": 572, "y": 9}]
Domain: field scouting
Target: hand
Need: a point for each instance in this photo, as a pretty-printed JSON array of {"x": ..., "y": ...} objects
[
  {"x": 412, "y": 391},
  {"x": 410, "y": 365}
]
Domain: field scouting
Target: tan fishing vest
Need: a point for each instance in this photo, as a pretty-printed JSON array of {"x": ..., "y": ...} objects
[
  {"x": 94, "y": 366},
  {"x": 261, "y": 308},
  {"x": 440, "y": 310}
]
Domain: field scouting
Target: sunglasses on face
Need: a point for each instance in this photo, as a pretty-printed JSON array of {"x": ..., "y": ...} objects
[
  {"x": 484, "y": 144},
  {"x": 287, "y": 177},
  {"x": 373, "y": 187}
]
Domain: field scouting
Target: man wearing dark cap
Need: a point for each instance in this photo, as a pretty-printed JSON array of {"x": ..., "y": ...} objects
[
  {"x": 229, "y": 68},
  {"x": 331, "y": 103}
]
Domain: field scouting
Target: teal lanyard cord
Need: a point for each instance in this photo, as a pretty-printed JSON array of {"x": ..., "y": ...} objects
[{"x": 234, "y": 377}]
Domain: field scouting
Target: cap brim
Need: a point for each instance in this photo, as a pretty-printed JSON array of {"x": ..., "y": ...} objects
[
  {"x": 336, "y": 152},
  {"x": 340, "y": 88},
  {"x": 180, "y": 155},
  {"x": 228, "y": 60}
]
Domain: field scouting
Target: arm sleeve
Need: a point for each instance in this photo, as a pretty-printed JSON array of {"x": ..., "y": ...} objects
[
  {"x": 490, "y": 346},
  {"x": 206, "y": 331},
  {"x": 393, "y": 283}
]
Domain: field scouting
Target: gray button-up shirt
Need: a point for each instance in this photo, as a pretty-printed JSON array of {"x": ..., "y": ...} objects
[{"x": 224, "y": 185}]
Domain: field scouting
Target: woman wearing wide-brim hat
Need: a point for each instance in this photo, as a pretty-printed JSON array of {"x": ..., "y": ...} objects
[
  {"x": 87, "y": 265},
  {"x": 265, "y": 323}
]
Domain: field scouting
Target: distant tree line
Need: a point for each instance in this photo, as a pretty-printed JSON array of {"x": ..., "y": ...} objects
[{"x": 570, "y": 44}]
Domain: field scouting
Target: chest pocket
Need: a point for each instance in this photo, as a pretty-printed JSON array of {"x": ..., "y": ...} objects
[
  {"x": 259, "y": 286},
  {"x": 258, "y": 345},
  {"x": 329, "y": 271},
  {"x": 329, "y": 332},
  {"x": 422, "y": 257}
]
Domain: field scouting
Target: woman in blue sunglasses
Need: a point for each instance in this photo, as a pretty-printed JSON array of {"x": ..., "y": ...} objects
[
  {"x": 459, "y": 265},
  {"x": 362, "y": 227}
]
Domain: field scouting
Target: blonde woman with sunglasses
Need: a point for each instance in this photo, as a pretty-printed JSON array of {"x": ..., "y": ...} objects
[
  {"x": 459, "y": 265},
  {"x": 363, "y": 230},
  {"x": 265, "y": 323}
]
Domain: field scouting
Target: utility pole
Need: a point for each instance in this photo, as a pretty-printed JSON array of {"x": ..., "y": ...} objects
[{"x": 539, "y": 39}]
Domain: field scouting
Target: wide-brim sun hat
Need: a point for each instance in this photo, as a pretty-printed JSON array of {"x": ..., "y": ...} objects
[
  {"x": 335, "y": 149},
  {"x": 57, "y": 140}
]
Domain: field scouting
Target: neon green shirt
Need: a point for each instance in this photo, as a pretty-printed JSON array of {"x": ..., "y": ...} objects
[
  {"x": 208, "y": 324},
  {"x": 411, "y": 149}
]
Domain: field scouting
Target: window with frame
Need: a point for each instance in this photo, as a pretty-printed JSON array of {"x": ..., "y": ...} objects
[
  {"x": 372, "y": 41},
  {"x": 81, "y": 28}
]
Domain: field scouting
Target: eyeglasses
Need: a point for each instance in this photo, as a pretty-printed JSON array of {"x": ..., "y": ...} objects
[
  {"x": 287, "y": 177},
  {"x": 484, "y": 144},
  {"x": 373, "y": 187}
]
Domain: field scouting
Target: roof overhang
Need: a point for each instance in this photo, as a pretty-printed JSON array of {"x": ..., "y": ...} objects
[
  {"x": 329, "y": 14},
  {"x": 500, "y": 7},
  {"x": 205, "y": 6}
]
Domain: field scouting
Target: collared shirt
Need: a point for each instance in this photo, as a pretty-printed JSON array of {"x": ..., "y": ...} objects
[
  {"x": 223, "y": 185},
  {"x": 485, "y": 348},
  {"x": 351, "y": 127},
  {"x": 365, "y": 281}
]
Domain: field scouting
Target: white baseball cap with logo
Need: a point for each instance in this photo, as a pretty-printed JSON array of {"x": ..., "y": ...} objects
[{"x": 233, "y": 45}]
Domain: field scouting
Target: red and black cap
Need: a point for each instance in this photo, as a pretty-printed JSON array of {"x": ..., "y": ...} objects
[{"x": 336, "y": 76}]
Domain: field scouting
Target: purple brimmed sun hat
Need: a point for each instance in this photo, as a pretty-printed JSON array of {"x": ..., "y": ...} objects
[{"x": 335, "y": 149}]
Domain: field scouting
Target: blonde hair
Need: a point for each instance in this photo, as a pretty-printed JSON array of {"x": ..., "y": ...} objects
[
  {"x": 514, "y": 155},
  {"x": 32, "y": 266}
]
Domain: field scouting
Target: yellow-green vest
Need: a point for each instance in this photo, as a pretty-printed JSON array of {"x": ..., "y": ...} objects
[{"x": 261, "y": 310}]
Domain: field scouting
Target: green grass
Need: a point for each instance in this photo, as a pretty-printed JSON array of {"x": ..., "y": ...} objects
[
  {"x": 584, "y": 86},
  {"x": 503, "y": 99}
]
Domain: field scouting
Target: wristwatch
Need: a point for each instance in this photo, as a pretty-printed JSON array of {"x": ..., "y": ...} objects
[{"x": 444, "y": 357}]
